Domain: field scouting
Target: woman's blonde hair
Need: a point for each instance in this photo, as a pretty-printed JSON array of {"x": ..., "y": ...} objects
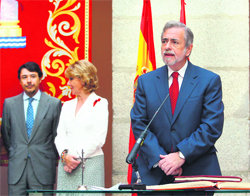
[{"x": 86, "y": 72}]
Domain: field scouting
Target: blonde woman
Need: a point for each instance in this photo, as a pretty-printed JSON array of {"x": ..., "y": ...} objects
[{"x": 83, "y": 127}]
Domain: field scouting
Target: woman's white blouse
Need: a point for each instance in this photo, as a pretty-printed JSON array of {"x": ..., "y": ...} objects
[{"x": 86, "y": 130}]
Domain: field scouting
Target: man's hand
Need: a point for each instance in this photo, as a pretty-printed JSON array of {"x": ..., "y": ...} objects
[
  {"x": 177, "y": 172},
  {"x": 171, "y": 163}
]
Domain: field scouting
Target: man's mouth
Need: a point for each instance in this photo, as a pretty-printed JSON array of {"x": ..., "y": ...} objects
[{"x": 168, "y": 54}]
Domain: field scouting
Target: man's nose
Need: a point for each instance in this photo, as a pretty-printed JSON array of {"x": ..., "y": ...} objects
[
  {"x": 68, "y": 83},
  {"x": 168, "y": 46}
]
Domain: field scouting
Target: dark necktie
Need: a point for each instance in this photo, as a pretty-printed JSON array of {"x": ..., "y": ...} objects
[
  {"x": 30, "y": 118},
  {"x": 174, "y": 91}
]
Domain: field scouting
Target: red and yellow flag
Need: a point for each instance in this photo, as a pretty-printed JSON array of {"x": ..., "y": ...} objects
[
  {"x": 183, "y": 14},
  {"x": 145, "y": 61}
]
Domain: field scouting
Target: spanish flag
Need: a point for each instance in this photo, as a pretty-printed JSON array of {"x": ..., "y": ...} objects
[
  {"x": 145, "y": 61},
  {"x": 183, "y": 14}
]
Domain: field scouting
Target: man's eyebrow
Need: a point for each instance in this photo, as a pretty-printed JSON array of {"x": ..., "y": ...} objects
[{"x": 171, "y": 39}]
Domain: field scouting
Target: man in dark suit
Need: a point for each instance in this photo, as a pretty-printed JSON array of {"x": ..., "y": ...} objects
[
  {"x": 29, "y": 124},
  {"x": 181, "y": 138}
]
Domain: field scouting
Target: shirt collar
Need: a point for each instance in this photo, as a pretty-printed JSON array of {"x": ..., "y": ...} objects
[
  {"x": 181, "y": 71},
  {"x": 36, "y": 96}
]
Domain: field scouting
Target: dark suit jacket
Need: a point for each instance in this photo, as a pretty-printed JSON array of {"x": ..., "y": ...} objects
[
  {"x": 193, "y": 129},
  {"x": 40, "y": 147}
]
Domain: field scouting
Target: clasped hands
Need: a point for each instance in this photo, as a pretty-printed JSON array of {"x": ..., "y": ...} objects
[
  {"x": 171, "y": 164},
  {"x": 71, "y": 163}
]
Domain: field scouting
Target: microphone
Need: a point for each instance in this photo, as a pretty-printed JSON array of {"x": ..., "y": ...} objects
[{"x": 139, "y": 142}]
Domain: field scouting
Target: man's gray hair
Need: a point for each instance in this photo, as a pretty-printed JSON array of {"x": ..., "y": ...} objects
[{"x": 188, "y": 36}]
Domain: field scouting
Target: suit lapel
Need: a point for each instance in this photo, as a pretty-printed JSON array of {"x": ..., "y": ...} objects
[
  {"x": 163, "y": 90},
  {"x": 42, "y": 109},
  {"x": 190, "y": 80},
  {"x": 20, "y": 117}
]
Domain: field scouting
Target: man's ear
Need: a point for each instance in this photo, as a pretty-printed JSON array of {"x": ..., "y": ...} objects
[{"x": 189, "y": 50}]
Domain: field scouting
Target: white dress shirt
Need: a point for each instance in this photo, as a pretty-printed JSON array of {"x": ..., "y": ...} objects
[
  {"x": 180, "y": 76},
  {"x": 34, "y": 103},
  {"x": 86, "y": 130}
]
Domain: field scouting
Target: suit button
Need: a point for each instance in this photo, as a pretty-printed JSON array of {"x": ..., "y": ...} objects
[{"x": 172, "y": 130}]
